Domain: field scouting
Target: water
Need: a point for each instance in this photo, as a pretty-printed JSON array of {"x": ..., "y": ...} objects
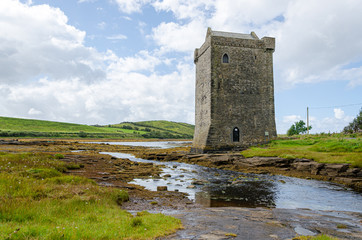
[
  {"x": 160, "y": 144},
  {"x": 221, "y": 188}
]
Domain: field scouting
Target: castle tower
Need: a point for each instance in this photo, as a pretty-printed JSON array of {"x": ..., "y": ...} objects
[{"x": 234, "y": 103}]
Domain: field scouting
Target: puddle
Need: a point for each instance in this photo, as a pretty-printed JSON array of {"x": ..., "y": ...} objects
[
  {"x": 161, "y": 144},
  {"x": 222, "y": 188}
]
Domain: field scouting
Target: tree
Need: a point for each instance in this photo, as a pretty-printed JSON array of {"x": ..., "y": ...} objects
[
  {"x": 355, "y": 125},
  {"x": 297, "y": 128}
]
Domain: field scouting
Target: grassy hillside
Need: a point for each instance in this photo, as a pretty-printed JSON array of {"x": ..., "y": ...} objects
[
  {"x": 159, "y": 127},
  {"x": 17, "y": 127}
]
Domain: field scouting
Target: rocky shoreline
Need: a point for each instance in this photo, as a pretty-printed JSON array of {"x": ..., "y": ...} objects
[{"x": 302, "y": 168}]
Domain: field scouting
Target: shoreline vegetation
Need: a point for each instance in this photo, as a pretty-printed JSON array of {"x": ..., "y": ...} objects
[
  {"x": 322, "y": 148},
  {"x": 39, "y": 201}
]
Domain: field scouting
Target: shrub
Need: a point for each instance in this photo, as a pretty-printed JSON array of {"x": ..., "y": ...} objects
[
  {"x": 355, "y": 125},
  {"x": 136, "y": 221},
  {"x": 59, "y": 156},
  {"x": 120, "y": 196}
]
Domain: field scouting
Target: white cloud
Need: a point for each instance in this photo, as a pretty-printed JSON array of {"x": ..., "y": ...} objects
[
  {"x": 186, "y": 8},
  {"x": 33, "y": 111},
  {"x": 127, "y": 18},
  {"x": 46, "y": 69},
  {"x": 338, "y": 113},
  {"x": 117, "y": 37},
  {"x": 63, "y": 80},
  {"x": 315, "y": 48},
  {"x": 291, "y": 119},
  {"x": 179, "y": 38},
  {"x": 131, "y": 6},
  {"x": 142, "y": 61},
  {"x": 102, "y": 25},
  {"x": 330, "y": 124},
  {"x": 39, "y": 41},
  {"x": 123, "y": 96},
  {"x": 245, "y": 15},
  {"x": 316, "y": 40}
]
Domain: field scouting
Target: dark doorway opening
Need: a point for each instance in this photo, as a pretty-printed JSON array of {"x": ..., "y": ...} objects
[{"x": 236, "y": 135}]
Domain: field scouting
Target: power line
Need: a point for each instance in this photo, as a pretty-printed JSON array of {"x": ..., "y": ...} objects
[{"x": 348, "y": 105}]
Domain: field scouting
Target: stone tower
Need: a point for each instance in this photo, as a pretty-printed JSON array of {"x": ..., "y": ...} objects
[{"x": 234, "y": 92}]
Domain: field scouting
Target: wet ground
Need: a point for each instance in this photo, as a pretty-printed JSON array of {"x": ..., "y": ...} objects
[
  {"x": 212, "y": 187},
  {"x": 271, "y": 221},
  {"x": 263, "y": 223}
]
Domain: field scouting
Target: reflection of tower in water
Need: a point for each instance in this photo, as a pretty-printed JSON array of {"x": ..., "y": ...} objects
[{"x": 243, "y": 194}]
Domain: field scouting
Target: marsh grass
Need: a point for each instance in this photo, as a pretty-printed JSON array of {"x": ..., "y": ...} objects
[
  {"x": 318, "y": 237},
  {"x": 336, "y": 148},
  {"x": 37, "y": 201}
]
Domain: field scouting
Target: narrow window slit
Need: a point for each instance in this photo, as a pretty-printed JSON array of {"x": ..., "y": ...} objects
[{"x": 225, "y": 58}]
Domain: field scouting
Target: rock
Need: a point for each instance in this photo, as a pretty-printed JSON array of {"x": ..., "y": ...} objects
[
  {"x": 302, "y": 160},
  {"x": 198, "y": 182},
  {"x": 237, "y": 182},
  {"x": 311, "y": 167},
  {"x": 191, "y": 156},
  {"x": 161, "y": 156},
  {"x": 167, "y": 175},
  {"x": 263, "y": 162},
  {"x": 191, "y": 186},
  {"x": 161, "y": 188},
  {"x": 348, "y": 180},
  {"x": 351, "y": 173},
  {"x": 333, "y": 170},
  {"x": 173, "y": 157},
  {"x": 220, "y": 159}
]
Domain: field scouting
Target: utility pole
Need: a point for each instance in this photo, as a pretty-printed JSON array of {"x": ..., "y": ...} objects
[{"x": 307, "y": 120}]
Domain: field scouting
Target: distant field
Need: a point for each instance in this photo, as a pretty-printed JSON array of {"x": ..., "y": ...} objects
[{"x": 17, "y": 127}]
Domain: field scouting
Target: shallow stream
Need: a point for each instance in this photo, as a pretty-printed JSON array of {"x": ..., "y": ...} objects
[{"x": 221, "y": 188}]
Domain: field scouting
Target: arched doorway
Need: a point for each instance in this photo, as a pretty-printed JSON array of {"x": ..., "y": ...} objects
[{"x": 236, "y": 135}]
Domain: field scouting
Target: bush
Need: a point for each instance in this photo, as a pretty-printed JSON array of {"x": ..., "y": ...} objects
[
  {"x": 120, "y": 196},
  {"x": 136, "y": 221},
  {"x": 82, "y": 134},
  {"x": 355, "y": 125},
  {"x": 298, "y": 128}
]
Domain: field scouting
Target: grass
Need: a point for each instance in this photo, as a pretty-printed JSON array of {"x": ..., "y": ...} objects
[
  {"x": 17, "y": 127},
  {"x": 37, "y": 201},
  {"x": 336, "y": 148},
  {"x": 318, "y": 237}
]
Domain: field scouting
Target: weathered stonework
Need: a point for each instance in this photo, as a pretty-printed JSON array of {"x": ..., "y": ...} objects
[{"x": 234, "y": 103}]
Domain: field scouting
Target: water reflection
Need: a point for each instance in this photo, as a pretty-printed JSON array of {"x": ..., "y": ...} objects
[
  {"x": 249, "y": 194},
  {"x": 160, "y": 144},
  {"x": 219, "y": 188}
]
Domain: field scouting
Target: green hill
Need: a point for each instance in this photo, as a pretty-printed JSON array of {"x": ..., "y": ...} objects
[{"x": 17, "y": 127}]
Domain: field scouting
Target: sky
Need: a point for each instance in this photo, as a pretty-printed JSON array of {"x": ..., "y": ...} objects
[{"x": 109, "y": 61}]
